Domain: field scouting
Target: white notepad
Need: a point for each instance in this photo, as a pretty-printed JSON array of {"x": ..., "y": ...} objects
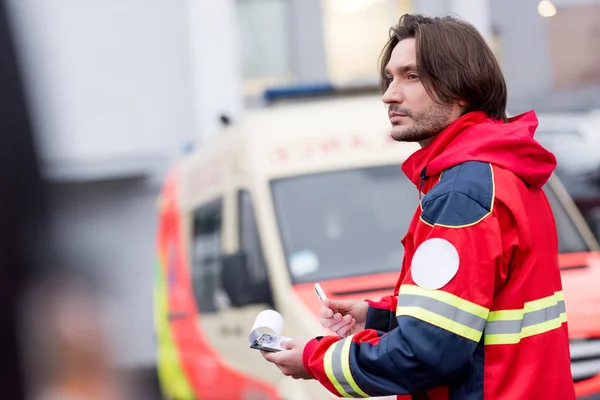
[{"x": 266, "y": 332}]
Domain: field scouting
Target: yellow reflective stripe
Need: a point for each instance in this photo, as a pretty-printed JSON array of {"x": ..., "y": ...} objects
[
  {"x": 530, "y": 306},
  {"x": 337, "y": 368},
  {"x": 327, "y": 362},
  {"x": 447, "y": 298},
  {"x": 346, "y": 367},
  {"x": 532, "y": 330},
  {"x": 440, "y": 321},
  {"x": 536, "y": 317}
]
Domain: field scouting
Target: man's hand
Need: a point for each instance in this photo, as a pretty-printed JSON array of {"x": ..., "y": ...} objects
[
  {"x": 289, "y": 361},
  {"x": 344, "y": 317}
]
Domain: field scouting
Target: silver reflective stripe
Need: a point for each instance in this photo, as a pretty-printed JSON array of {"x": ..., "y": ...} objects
[
  {"x": 445, "y": 310},
  {"x": 529, "y": 319},
  {"x": 336, "y": 366}
]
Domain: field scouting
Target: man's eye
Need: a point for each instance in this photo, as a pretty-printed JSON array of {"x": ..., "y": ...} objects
[
  {"x": 413, "y": 76},
  {"x": 389, "y": 79}
]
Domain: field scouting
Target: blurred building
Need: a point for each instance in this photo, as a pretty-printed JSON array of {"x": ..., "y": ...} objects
[
  {"x": 548, "y": 49},
  {"x": 120, "y": 88},
  {"x": 551, "y": 63}
]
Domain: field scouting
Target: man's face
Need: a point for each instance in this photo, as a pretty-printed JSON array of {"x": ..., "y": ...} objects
[{"x": 414, "y": 115}]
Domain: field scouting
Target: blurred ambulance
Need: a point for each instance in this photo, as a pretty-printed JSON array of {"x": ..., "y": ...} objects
[{"x": 295, "y": 194}]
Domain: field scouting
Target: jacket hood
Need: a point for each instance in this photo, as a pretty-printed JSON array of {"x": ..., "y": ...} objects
[{"x": 475, "y": 137}]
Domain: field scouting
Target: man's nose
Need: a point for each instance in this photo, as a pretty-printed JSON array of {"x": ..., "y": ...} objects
[{"x": 392, "y": 95}]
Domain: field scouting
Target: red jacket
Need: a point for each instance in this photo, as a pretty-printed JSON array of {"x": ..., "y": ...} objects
[{"x": 478, "y": 311}]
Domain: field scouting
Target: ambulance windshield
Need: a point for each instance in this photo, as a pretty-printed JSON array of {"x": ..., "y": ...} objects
[
  {"x": 350, "y": 222},
  {"x": 569, "y": 237}
]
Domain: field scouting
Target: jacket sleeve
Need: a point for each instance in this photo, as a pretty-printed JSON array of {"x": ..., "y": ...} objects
[
  {"x": 442, "y": 307},
  {"x": 381, "y": 315}
]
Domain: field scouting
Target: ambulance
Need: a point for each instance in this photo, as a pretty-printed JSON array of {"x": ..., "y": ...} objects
[{"x": 288, "y": 196}]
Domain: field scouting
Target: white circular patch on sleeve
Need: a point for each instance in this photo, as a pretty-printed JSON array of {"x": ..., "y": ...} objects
[{"x": 434, "y": 264}]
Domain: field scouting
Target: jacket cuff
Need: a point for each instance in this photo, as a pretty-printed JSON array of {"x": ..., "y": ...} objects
[
  {"x": 381, "y": 314},
  {"x": 386, "y": 303},
  {"x": 309, "y": 349},
  {"x": 378, "y": 319}
]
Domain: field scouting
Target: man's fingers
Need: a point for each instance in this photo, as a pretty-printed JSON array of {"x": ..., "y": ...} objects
[
  {"x": 332, "y": 304},
  {"x": 337, "y": 327},
  {"x": 345, "y": 330},
  {"x": 328, "y": 317},
  {"x": 288, "y": 345},
  {"x": 327, "y": 322},
  {"x": 326, "y": 312},
  {"x": 334, "y": 313},
  {"x": 270, "y": 357},
  {"x": 340, "y": 305},
  {"x": 347, "y": 320},
  {"x": 281, "y": 368}
]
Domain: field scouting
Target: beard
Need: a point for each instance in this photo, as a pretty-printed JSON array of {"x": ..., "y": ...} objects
[{"x": 425, "y": 124}]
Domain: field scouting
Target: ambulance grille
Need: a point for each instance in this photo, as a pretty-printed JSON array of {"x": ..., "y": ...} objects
[{"x": 585, "y": 358}]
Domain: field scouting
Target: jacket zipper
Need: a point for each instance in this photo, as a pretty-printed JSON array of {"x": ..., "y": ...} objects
[{"x": 424, "y": 177}]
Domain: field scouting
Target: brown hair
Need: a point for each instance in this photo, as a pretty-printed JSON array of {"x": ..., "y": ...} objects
[{"x": 454, "y": 63}]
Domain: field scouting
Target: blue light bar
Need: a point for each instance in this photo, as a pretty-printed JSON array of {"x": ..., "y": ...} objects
[{"x": 306, "y": 90}]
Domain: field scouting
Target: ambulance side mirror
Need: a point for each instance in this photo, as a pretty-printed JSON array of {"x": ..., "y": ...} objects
[
  {"x": 239, "y": 285},
  {"x": 234, "y": 279},
  {"x": 596, "y": 222}
]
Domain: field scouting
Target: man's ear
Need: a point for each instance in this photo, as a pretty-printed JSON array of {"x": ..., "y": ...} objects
[{"x": 462, "y": 104}]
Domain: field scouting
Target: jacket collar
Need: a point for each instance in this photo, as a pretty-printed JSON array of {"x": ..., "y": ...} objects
[{"x": 415, "y": 166}]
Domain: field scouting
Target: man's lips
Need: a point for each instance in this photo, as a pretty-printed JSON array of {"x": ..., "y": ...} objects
[{"x": 397, "y": 117}]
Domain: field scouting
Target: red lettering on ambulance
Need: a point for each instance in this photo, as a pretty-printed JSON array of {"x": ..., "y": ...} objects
[
  {"x": 308, "y": 150},
  {"x": 331, "y": 145},
  {"x": 358, "y": 143},
  {"x": 281, "y": 155}
]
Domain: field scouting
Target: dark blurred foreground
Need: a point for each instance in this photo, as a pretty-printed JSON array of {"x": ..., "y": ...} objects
[{"x": 52, "y": 323}]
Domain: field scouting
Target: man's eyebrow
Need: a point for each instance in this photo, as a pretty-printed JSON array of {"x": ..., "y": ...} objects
[{"x": 402, "y": 69}]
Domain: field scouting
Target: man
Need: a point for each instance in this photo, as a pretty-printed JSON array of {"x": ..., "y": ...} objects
[{"x": 478, "y": 311}]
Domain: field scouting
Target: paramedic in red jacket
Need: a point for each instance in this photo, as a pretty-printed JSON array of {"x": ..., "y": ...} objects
[{"x": 478, "y": 310}]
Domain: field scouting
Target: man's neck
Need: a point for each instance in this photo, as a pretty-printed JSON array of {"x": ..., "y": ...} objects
[{"x": 426, "y": 142}]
